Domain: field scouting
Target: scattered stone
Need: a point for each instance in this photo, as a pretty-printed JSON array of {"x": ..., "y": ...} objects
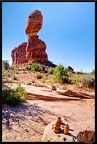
[
  {"x": 57, "y": 127},
  {"x": 32, "y": 82},
  {"x": 70, "y": 93},
  {"x": 64, "y": 139},
  {"x": 59, "y": 121},
  {"x": 66, "y": 131},
  {"x": 51, "y": 87},
  {"x": 86, "y": 136},
  {"x": 67, "y": 126},
  {"x": 26, "y": 130}
]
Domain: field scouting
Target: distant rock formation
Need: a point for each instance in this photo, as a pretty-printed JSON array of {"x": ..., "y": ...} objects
[
  {"x": 34, "y": 49},
  {"x": 70, "y": 69},
  {"x": 19, "y": 54}
]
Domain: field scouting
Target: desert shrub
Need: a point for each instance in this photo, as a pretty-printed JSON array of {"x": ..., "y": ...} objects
[
  {"x": 43, "y": 79},
  {"x": 64, "y": 88},
  {"x": 51, "y": 70},
  {"x": 14, "y": 78},
  {"x": 17, "y": 72},
  {"x": 75, "y": 78},
  {"x": 41, "y": 68},
  {"x": 37, "y": 68},
  {"x": 26, "y": 68},
  {"x": 9, "y": 75},
  {"x": 34, "y": 67},
  {"x": 38, "y": 76},
  {"x": 14, "y": 96},
  {"x": 93, "y": 72},
  {"x": 65, "y": 79},
  {"x": 21, "y": 91},
  {"x": 88, "y": 81},
  {"x": 46, "y": 70},
  {"x": 13, "y": 67},
  {"x": 5, "y": 65},
  {"x": 60, "y": 74}
]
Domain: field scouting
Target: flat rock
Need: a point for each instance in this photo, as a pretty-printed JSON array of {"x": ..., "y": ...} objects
[{"x": 50, "y": 136}]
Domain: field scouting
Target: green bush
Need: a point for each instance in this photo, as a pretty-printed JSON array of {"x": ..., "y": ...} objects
[
  {"x": 93, "y": 72},
  {"x": 60, "y": 74},
  {"x": 64, "y": 88},
  {"x": 41, "y": 68},
  {"x": 75, "y": 78},
  {"x": 14, "y": 96},
  {"x": 65, "y": 79},
  {"x": 9, "y": 75},
  {"x": 46, "y": 70},
  {"x": 14, "y": 78},
  {"x": 38, "y": 76},
  {"x": 88, "y": 81},
  {"x": 26, "y": 68},
  {"x": 5, "y": 65},
  {"x": 38, "y": 68},
  {"x": 13, "y": 67},
  {"x": 51, "y": 70},
  {"x": 34, "y": 67}
]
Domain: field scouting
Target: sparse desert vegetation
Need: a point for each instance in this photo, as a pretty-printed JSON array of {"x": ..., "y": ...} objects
[
  {"x": 36, "y": 93},
  {"x": 53, "y": 76}
]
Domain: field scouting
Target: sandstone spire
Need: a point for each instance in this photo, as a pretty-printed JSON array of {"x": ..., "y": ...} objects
[{"x": 34, "y": 49}]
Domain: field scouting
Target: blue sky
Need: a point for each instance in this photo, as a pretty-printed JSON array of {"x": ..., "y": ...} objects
[{"x": 68, "y": 31}]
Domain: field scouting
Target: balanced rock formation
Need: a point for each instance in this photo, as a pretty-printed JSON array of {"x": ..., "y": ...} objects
[
  {"x": 34, "y": 23},
  {"x": 34, "y": 49}
]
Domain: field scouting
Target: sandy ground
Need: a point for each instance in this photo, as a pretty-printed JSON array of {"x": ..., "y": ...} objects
[{"x": 26, "y": 122}]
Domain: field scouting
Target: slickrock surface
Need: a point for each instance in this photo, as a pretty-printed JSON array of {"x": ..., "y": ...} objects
[
  {"x": 27, "y": 122},
  {"x": 75, "y": 127},
  {"x": 23, "y": 123}
]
